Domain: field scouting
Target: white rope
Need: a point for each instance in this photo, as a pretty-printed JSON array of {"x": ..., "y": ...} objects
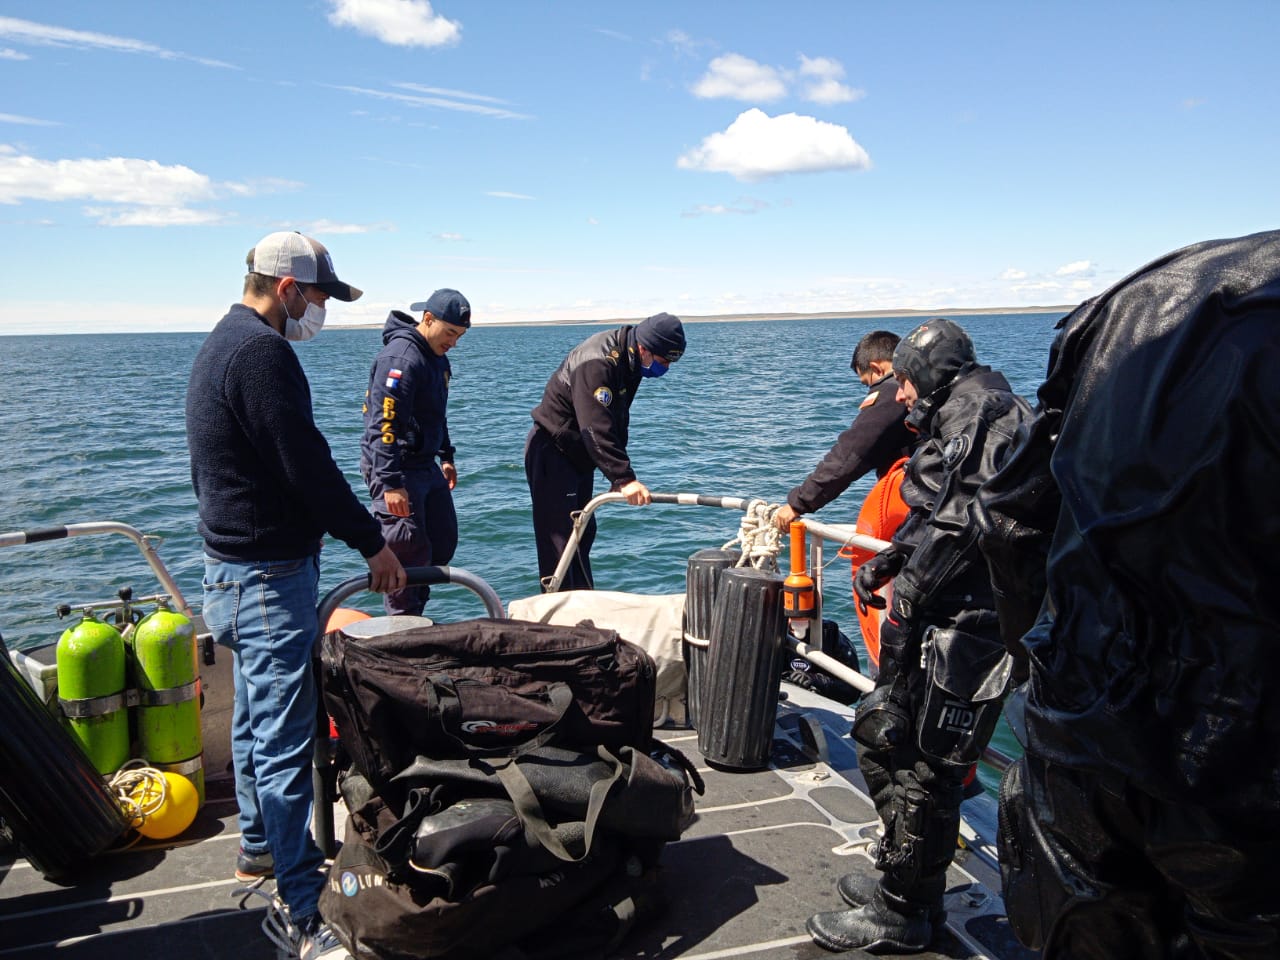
[
  {"x": 758, "y": 539},
  {"x": 140, "y": 790}
]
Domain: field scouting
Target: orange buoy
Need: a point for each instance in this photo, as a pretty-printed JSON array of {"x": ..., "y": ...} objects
[
  {"x": 882, "y": 513},
  {"x": 343, "y": 616}
]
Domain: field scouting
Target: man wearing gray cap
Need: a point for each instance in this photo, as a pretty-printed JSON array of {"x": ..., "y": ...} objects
[
  {"x": 268, "y": 491},
  {"x": 405, "y": 430},
  {"x": 581, "y": 424}
]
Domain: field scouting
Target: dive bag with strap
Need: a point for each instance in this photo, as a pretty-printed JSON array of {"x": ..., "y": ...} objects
[
  {"x": 543, "y": 845},
  {"x": 484, "y": 688}
]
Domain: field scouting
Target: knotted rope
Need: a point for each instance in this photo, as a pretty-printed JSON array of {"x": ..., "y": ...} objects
[{"x": 758, "y": 539}]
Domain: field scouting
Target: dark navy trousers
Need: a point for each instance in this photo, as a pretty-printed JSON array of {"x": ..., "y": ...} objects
[{"x": 427, "y": 537}]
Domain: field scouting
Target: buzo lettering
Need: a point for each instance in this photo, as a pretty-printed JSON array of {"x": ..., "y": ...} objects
[{"x": 388, "y": 416}]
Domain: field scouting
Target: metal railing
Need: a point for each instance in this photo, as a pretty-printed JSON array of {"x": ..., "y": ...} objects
[{"x": 843, "y": 534}]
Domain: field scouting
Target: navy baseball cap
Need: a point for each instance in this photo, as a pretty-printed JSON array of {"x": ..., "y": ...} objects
[
  {"x": 662, "y": 335},
  {"x": 447, "y": 305}
]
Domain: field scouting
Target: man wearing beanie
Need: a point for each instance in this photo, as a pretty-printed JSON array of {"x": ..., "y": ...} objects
[
  {"x": 406, "y": 430},
  {"x": 581, "y": 424}
]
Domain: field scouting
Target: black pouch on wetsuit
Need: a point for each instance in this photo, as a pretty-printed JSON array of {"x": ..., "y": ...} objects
[{"x": 965, "y": 679}]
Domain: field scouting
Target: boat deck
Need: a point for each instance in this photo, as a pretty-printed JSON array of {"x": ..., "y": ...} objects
[{"x": 764, "y": 853}]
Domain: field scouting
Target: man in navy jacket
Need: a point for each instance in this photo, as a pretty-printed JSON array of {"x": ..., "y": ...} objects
[{"x": 406, "y": 429}]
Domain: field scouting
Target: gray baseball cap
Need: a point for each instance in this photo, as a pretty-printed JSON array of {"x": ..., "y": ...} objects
[{"x": 290, "y": 254}]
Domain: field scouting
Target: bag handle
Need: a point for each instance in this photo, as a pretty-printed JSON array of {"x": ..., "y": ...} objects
[
  {"x": 530, "y": 810},
  {"x": 559, "y": 695}
]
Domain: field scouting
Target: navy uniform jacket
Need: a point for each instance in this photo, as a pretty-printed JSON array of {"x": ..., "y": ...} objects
[
  {"x": 405, "y": 426},
  {"x": 266, "y": 483},
  {"x": 875, "y": 440},
  {"x": 586, "y": 407}
]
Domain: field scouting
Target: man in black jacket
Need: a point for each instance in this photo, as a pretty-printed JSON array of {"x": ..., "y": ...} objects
[
  {"x": 268, "y": 491},
  {"x": 943, "y": 667},
  {"x": 1132, "y": 538},
  {"x": 406, "y": 428},
  {"x": 875, "y": 440},
  {"x": 581, "y": 424}
]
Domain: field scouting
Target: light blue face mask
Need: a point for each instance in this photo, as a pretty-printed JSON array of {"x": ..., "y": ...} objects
[{"x": 656, "y": 368}]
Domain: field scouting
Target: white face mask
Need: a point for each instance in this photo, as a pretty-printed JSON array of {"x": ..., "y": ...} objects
[{"x": 308, "y": 325}]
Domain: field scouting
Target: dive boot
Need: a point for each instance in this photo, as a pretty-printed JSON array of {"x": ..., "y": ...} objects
[
  {"x": 884, "y": 924},
  {"x": 857, "y": 889}
]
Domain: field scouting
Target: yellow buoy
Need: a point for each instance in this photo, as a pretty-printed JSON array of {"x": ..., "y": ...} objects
[{"x": 173, "y": 812}]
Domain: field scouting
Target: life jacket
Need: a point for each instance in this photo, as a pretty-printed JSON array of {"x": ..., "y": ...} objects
[{"x": 881, "y": 514}]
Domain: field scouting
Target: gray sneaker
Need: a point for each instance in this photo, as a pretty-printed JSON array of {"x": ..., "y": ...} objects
[
  {"x": 317, "y": 941},
  {"x": 254, "y": 866}
]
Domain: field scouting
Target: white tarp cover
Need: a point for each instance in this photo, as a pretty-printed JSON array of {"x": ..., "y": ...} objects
[{"x": 654, "y": 623}]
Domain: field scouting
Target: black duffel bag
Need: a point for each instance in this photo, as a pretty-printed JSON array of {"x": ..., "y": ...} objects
[{"x": 484, "y": 688}]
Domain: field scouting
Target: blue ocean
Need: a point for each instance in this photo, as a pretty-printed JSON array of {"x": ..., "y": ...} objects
[{"x": 91, "y": 428}]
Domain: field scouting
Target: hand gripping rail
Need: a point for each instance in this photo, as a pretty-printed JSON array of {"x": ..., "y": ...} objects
[{"x": 324, "y": 772}]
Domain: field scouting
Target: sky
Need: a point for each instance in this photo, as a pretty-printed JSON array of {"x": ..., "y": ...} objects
[{"x": 577, "y": 161}]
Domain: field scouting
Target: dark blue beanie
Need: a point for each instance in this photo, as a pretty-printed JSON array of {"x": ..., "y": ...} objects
[{"x": 663, "y": 335}]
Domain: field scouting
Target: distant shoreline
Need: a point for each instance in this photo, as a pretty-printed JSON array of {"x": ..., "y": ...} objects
[{"x": 750, "y": 317}]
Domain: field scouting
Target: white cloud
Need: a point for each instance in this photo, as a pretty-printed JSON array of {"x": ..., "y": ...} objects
[
  {"x": 1077, "y": 266},
  {"x": 740, "y": 78},
  {"x": 756, "y": 146},
  {"x": 401, "y": 23},
  {"x": 1013, "y": 273},
  {"x": 143, "y": 192},
  {"x": 1192, "y": 102},
  {"x": 7, "y": 53},
  {"x": 744, "y": 205},
  {"x": 153, "y": 216},
  {"x": 451, "y": 237},
  {"x": 332, "y": 227},
  {"x": 825, "y": 86},
  {"x": 113, "y": 180},
  {"x": 453, "y": 102},
  {"x": 29, "y": 121},
  {"x": 26, "y": 31},
  {"x": 504, "y": 195}
]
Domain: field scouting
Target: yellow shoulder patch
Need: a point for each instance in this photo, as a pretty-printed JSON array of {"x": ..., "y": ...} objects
[{"x": 871, "y": 398}]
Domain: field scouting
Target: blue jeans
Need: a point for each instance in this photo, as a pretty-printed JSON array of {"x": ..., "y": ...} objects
[{"x": 265, "y": 613}]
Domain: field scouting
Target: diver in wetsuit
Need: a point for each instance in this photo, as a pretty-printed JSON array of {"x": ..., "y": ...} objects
[
  {"x": 1141, "y": 821},
  {"x": 943, "y": 667}
]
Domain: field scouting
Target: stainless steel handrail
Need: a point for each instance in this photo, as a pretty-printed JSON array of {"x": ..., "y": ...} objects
[
  {"x": 144, "y": 543},
  {"x": 842, "y": 533}
]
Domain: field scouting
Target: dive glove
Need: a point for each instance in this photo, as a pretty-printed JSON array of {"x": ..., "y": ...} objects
[{"x": 873, "y": 575}]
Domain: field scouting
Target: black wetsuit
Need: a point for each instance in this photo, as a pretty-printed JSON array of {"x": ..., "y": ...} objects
[
  {"x": 1141, "y": 821},
  {"x": 581, "y": 424},
  {"x": 922, "y": 726}
]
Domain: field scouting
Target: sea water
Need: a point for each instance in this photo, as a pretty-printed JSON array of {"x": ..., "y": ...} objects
[{"x": 92, "y": 429}]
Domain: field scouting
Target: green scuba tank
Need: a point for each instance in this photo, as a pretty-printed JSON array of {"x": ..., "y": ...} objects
[
  {"x": 168, "y": 710},
  {"x": 91, "y": 691}
]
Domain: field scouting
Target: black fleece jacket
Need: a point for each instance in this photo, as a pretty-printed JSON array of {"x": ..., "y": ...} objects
[{"x": 266, "y": 483}]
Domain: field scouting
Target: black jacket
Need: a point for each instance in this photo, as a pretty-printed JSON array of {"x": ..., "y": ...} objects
[
  {"x": 968, "y": 435},
  {"x": 405, "y": 421},
  {"x": 1149, "y": 482},
  {"x": 586, "y": 406},
  {"x": 874, "y": 441},
  {"x": 266, "y": 483}
]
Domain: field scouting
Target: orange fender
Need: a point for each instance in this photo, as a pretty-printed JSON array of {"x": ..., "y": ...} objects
[{"x": 882, "y": 513}]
